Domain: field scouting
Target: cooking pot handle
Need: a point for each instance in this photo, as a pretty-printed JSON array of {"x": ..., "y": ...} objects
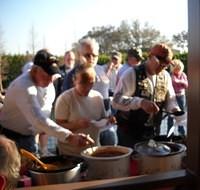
[
  {"x": 135, "y": 155},
  {"x": 134, "y": 163},
  {"x": 84, "y": 167},
  {"x": 83, "y": 170}
]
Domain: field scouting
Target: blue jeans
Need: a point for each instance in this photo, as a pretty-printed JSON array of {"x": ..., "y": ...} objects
[
  {"x": 109, "y": 136},
  {"x": 22, "y": 141},
  {"x": 181, "y": 100}
]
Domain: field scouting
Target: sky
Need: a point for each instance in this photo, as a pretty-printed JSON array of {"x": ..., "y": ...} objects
[{"x": 59, "y": 23}]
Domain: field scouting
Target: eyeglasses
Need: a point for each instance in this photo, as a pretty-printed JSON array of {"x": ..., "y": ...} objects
[
  {"x": 114, "y": 58},
  {"x": 89, "y": 55},
  {"x": 163, "y": 62}
]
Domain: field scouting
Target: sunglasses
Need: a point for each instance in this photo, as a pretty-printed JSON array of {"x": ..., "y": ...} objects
[
  {"x": 89, "y": 55},
  {"x": 163, "y": 59},
  {"x": 114, "y": 58},
  {"x": 163, "y": 62}
]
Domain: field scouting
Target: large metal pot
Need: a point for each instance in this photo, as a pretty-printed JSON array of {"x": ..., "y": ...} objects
[
  {"x": 172, "y": 138},
  {"x": 151, "y": 161},
  {"x": 107, "y": 162},
  {"x": 68, "y": 170}
]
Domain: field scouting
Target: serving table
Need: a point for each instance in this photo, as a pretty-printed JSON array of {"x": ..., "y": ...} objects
[{"x": 163, "y": 181}]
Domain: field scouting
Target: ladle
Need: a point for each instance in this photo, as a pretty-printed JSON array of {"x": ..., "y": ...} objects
[
  {"x": 31, "y": 156},
  {"x": 91, "y": 145},
  {"x": 176, "y": 113},
  {"x": 171, "y": 131}
]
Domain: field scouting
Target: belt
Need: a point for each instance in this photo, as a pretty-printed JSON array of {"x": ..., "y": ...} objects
[
  {"x": 22, "y": 141},
  {"x": 11, "y": 134}
]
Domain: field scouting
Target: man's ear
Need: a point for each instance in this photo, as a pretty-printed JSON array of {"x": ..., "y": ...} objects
[{"x": 2, "y": 182}]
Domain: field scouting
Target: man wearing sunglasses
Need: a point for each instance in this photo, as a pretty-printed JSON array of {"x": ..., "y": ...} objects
[
  {"x": 141, "y": 95},
  {"x": 87, "y": 53}
]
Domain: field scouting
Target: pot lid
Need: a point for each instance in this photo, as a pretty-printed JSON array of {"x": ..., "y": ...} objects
[{"x": 152, "y": 148}]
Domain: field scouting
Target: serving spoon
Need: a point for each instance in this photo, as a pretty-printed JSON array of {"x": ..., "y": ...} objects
[
  {"x": 176, "y": 113},
  {"x": 31, "y": 156}
]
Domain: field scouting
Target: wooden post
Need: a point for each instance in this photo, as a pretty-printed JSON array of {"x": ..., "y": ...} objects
[
  {"x": 193, "y": 141},
  {"x": 1, "y": 85}
]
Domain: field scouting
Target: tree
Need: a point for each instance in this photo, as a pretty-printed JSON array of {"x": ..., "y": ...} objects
[
  {"x": 1, "y": 52},
  {"x": 126, "y": 36},
  {"x": 124, "y": 33},
  {"x": 33, "y": 40},
  {"x": 106, "y": 36},
  {"x": 144, "y": 36},
  {"x": 12, "y": 67},
  {"x": 1, "y": 41},
  {"x": 181, "y": 40}
]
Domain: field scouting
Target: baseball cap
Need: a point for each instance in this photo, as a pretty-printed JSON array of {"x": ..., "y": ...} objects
[
  {"x": 134, "y": 52},
  {"x": 162, "y": 52},
  {"x": 116, "y": 54},
  {"x": 47, "y": 62}
]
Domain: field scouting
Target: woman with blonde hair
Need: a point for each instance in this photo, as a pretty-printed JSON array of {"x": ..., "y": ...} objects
[
  {"x": 180, "y": 84},
  {"x": 10, "y": 164}
]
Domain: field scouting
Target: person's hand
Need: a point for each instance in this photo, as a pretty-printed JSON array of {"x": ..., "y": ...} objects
[
  {"x": 80, "y": 140},
  {"x": 111, "y": 66},
  {"x": 149, "y": 106},
  {"x": 112, "y": 120}
]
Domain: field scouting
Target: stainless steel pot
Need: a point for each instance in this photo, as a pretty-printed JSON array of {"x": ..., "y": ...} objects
[
  {"x": 173, "y": 138},
  {"x": 68, "y": 171},
  {"x": 107, "y": 162},
  {"x": 149, "y": 163}
]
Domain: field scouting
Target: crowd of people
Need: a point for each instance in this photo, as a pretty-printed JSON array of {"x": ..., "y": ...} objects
[{"x": 70, "y": 102}]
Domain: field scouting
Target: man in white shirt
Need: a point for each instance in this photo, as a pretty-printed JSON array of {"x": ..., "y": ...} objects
[
  {"x": 22, "y": 118},
  {"x": 140, "y": 96},
  {"x": 112, "y": 68}
]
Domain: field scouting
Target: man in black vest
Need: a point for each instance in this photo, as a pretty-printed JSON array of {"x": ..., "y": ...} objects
[{"x": 141, "y": 95}]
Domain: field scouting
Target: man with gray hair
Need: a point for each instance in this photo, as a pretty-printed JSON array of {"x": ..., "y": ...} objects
[{"x": 88, "y": 52}]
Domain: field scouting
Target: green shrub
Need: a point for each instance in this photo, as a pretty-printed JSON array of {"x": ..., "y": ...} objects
[
  {"x": 103, "y": 59},
  {"x": 12, "y": 65}
]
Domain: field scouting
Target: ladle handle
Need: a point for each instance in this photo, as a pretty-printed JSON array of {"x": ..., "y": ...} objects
[
  {"x": 176, "y": 113},
  {"x": 31, "y": 156}
]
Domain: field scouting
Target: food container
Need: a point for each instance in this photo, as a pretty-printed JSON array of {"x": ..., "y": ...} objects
[
  {"x": 69, "y": 168},
  {"x": 172, "y": 138},
  {"x": 107, "y": 162},
  {"x": 152, "y": 161}
]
